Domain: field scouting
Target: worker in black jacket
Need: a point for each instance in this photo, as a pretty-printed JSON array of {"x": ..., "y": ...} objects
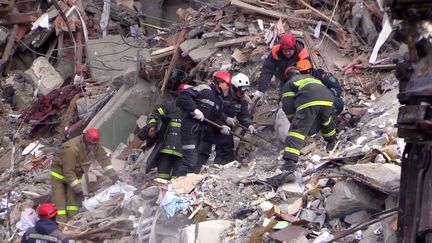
[
  {"x": 305, "y": 67},
  {"x": 46, "y": 229},
  {"x": 235, "y": 109},
  {"x": 165, "y": 123},
  {"x": 304, "y": 100},
  {"x": 197, "y": 103},
  {"x": 286, "y": 54}
]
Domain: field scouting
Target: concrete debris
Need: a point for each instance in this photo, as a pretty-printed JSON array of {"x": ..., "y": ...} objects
[
  {"x": 349, "y": 197},
  {"x": 119, "y": 66},
  {"x": 383, "y": 177},
  {"x": 44, "y": 76}
]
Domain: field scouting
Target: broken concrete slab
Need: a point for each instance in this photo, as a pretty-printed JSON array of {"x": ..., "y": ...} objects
[
  {"x": 357, "y": 217},
  {"x": 202, "y": 52},
  {"x": 291, "y": 233},
  {"x": 44, "y": 76},
  {"x": 291, "y": 189},
  {"x": 189, "y": 45},
  {"x": 383, "y": 177},
  {"x": 208, "y": 231},
  {"x": 349, "y": 197},
  {"x": 117, "y": 119},
  {"x": 373, "y": 234},
  {"x": 110, "y": 56}
]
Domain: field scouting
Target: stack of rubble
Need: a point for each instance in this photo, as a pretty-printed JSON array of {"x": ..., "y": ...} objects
[{"x": 79, "y": 65}]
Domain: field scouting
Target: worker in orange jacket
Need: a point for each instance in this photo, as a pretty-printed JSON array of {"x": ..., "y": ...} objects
[
  {"x": 286, "y": 54},
  {"x": 70, "y": 163}
]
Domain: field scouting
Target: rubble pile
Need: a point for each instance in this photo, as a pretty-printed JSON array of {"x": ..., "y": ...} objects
[{"x": 68, "y": 65}]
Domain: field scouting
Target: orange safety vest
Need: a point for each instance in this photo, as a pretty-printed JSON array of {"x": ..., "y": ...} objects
[{"x": 303, "y": 54}]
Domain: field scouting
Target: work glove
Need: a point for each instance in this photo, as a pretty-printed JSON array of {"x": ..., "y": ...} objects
[
  {"x": 252, "y": 129},
  {"x": 231, "y": 121},
  {"x": 258, "y": 95},
  {"x": 198, "y": 115},
  {"x": 225, "y": 130},
  {"x": 152, "y": 132}
]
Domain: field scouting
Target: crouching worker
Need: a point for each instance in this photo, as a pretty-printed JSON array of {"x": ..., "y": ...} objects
[
  {"x": 70, "y": 163},
  {"x": 46, "y": 229}
]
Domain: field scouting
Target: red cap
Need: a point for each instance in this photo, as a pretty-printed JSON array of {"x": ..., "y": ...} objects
[
  {"x": 183, "y": 87},
  {"x": 47, "y": 211},
  {"x": 224, "y": 75},
  {"x": 92, "y": 135},
  {"x": 287, "y": 41}
]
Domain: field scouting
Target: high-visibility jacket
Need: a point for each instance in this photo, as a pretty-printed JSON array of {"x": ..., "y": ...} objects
[
  {"x": 276, "y": 63},
  {"x": 169, "y": 117},
  {"x": 72, "y": 161},
  {"x": 303, "y": 91}
]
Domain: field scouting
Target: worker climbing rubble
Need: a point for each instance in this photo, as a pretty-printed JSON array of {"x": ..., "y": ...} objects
[
  {"x": 305, "y": 67},
  {"x": 286, "y": 54},
  {"x": 235, "y": 109},
  {"x": 164, "y": 125},
  {"x": 69, "y": 166},
  {"x": 198, "y": 103},
  {"x": 46, "y": 229},
  {"x": 304, "y": 100}
]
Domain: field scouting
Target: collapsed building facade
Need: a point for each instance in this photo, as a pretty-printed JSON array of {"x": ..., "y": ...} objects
[{"x": 71, "y": 65}]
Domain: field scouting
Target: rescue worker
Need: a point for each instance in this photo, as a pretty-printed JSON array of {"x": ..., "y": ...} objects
[
  {"x": 305, "y": 67},
  {"x": 304, "y": 100},
  {"x": 235, "y": 108},
  {"x": 197, "y": 103},
  {"x": 165, "y": 122},
  {"x": 286, "y": 54},
  {"x": 69, "y": 165},
  {"x": 46, "y": 229}
]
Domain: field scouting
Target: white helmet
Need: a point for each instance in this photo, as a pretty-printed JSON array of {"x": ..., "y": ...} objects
[{"x": 240, "y": 81}]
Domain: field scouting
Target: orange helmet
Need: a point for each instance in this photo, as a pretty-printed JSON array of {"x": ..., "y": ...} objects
[
  {"x": 304, "y": 65},
  {"x": 47, "y": 211},
  {"x": 223, "y": 75},
  {"x": 92, "y": 135}
]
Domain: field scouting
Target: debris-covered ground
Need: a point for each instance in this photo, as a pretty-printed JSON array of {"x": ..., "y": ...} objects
[{"x": 111, "y": 62}]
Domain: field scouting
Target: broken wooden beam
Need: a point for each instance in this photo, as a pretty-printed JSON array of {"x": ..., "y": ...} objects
[
  {"x": 161, "y": 53},
  {"x": 20, "y": 18},
  {"x": 320, "y": 14},
  {"x": 236, "y": 41},
  {"x": 270, "y": 13}
]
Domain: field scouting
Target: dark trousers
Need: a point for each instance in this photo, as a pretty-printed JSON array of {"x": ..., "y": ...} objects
[
  {"x": 190, "y": 136},
  {"x": 224, "y": 150},
  {"x": 301, "y": 125},
  {"x": 168, "y": 166}
]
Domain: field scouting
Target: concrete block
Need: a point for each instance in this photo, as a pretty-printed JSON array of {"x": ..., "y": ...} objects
[
  {"x": 44, "y": 76},
  {"x": 357, "y": 217},
  {"x": 350, "y": 197},
  {"x": 189, "y": 45},
  {"x": 202, "y": 52}
]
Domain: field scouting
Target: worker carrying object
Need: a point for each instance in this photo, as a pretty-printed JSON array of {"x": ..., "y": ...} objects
[
  {"x": 235, "y": 109},
  {"x": 46, "y": 229},
  {"x": 197, "y": 103},
  {"x": 286, "y": 54},
  {"x": 70, "y": 163},
  {"x": 164, "y": 125},
  {"x": 305, "y": 67},
  {"x": 304, "y": 100}
]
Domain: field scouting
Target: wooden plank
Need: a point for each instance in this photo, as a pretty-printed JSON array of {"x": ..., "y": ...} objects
[
  {"x": 161, "y": 53},
  {"x": 270, "y": 13}
]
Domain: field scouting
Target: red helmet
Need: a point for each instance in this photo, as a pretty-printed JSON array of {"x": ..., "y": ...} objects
[
  {"x": 183, "y": 87},
  {"x": 224, "y": 75},
  {"x": 92, "y": 135},
  {"x": 287, "y": 41},
  {"x": 47, "y": 211}
]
